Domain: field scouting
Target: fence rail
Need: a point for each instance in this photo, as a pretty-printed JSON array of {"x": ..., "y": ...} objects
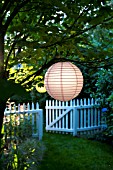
[{"x": 75, "y": 116}]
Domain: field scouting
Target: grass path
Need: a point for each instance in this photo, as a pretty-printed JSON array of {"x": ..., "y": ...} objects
[{"x": 65, "y": 152}]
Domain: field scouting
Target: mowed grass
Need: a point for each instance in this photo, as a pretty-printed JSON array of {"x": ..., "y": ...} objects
[{"x": 65, "y": 152}]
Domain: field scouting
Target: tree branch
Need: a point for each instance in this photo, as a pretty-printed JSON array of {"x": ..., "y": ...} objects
[
  {"x": 63, "y": 39},
  {"x": 54, "y": 60},
  {"x": 5, "y": 10},
  {"x": 4, "y": 7},
  {"x": 12, "y": 48},
  {"x": 38, "y": 72},
  {"x": 80, "y": 15},
  {"x": 14, "y": 13}
]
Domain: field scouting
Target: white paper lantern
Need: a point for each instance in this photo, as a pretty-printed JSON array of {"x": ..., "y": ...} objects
[{"x": 63, "y": 81}]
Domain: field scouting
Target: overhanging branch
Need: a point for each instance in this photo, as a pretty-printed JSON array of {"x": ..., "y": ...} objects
[
  {"x": 12, "y": 48},
  {"x": 54, "y": 60},
  {"x": 14, "y": 13}
]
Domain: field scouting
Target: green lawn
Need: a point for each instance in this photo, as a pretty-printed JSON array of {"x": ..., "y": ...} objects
[{"x": 65, "y": 152}]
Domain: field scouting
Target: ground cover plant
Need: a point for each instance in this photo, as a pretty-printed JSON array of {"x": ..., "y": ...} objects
[
  {"x": 24, "y": 156},
  {"x": 65, "y": 152}
]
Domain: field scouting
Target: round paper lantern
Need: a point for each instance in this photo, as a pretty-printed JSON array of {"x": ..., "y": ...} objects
[{"x": 63, "y": 81}]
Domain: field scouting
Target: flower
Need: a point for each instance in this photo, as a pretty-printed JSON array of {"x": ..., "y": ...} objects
[{"x": 104, "y": 109}]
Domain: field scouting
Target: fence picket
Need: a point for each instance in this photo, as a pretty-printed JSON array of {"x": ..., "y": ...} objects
[
  {"x": 49, "y": 112},
  {"x": 71, "y": 114},
  {"x": 18, "y": 110},
  {"x": 37, "y": 105},
  {"x": 59, "y": 115},
  {"x": 66, "y": 117},
  {"x": 99, "y": 117},
  {"x": 91, "y": 117},
  {"x": 56, "y": 113},
  {"x": 84, "y": 113},
  {"x": 63, "y": 117},
  {"x": 53, "y": 116},
  {"x": 81, "y": 114},
  {"x": 33, "y": 119},
  {"x": 78, "y": 102}
]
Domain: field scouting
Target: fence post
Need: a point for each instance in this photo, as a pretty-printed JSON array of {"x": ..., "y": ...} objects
[
  {"x": 75, "y": 121},
  {"x": 40, "y": 124}
]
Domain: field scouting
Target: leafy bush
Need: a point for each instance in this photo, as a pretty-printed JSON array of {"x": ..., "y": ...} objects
[
  {"x": 17, "y": 127},
  {"x": 27, "y": 155},
  {"x": 104, "y": 88},
  {"x": 20, "y": 150}
]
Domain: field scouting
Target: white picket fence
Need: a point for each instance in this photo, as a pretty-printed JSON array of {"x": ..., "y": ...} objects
[
  {"x": 31, "y": 113},
  {"x": 75, "y": 116}
]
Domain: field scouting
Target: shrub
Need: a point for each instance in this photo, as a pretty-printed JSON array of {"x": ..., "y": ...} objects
[
  {"x": 20, "y": 150},
  {"x": 27, "y": 155},
  {"x": 104, "y": 87}
]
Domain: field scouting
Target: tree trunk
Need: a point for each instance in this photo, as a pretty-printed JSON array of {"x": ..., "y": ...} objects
[
  {"x": 2, "y": 55},
  {"x": 2, "y": 76},
  {"x": 2, "y": 108}
]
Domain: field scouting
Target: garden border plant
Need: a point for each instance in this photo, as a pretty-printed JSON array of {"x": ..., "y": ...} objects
[
  {"x": 20, "y": 149},
  {"x": 104, "y": 87}
]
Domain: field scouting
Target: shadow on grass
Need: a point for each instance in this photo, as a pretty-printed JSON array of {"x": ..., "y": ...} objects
[{"x": 65, "y": 152}]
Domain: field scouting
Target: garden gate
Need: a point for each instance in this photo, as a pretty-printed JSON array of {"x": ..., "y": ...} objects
[{"x": 76, "y": 116}]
